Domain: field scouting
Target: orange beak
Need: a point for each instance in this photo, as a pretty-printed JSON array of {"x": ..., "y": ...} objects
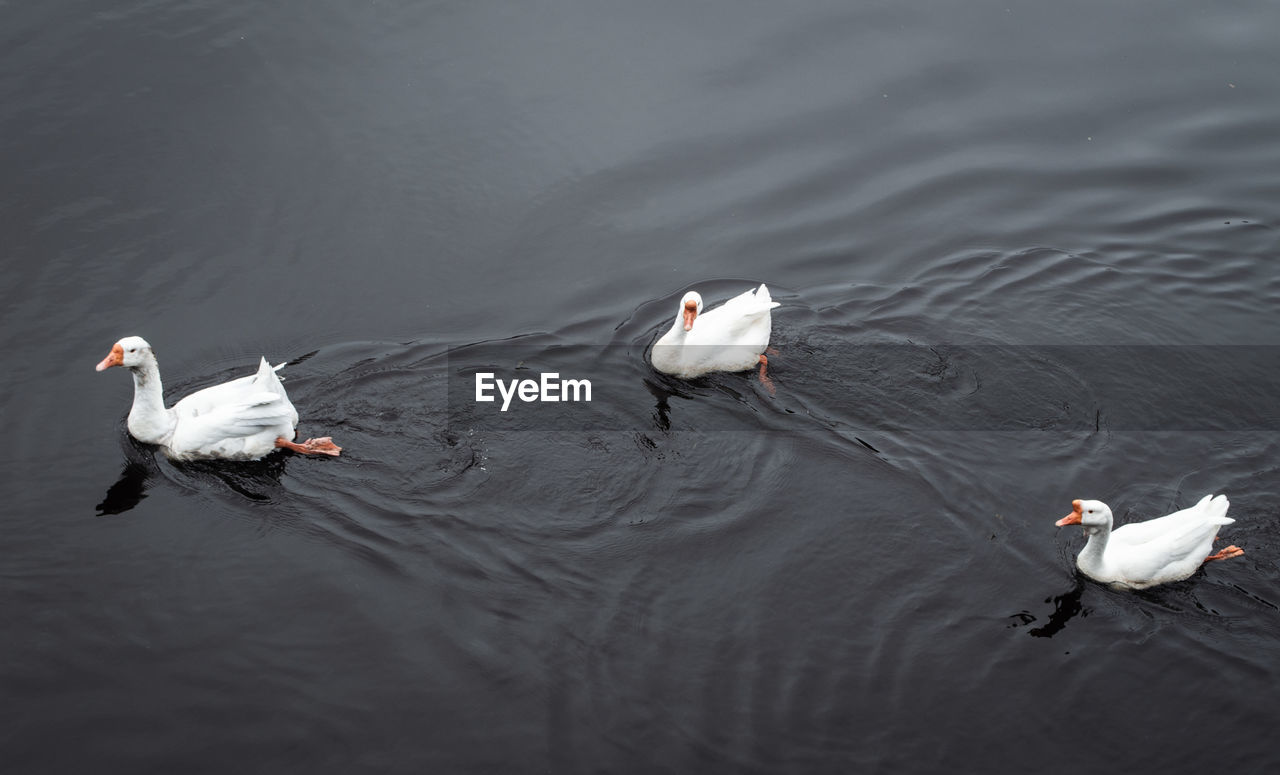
[
  {"x": 690, "y": 312},
  {"x": 114, "y": 358},
  {"x": 1073, "y": 518}
]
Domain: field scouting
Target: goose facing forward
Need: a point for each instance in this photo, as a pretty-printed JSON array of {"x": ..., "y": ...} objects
[
  {"x": 1158, "y": 551},
  {"x": 243, "y": 419},
  {"x": 731, "y": 337}
]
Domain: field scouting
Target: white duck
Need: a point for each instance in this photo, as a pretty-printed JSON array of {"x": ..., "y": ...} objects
[
  {"x": 243, "y": 419},
  {"x": 731, "y": 337},
  {"x": 1143, "y": 554}
]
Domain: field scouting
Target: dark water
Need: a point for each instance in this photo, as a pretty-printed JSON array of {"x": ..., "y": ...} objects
[{"x": 710, "y": 578}]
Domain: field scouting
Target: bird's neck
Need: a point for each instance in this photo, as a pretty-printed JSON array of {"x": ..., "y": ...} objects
[
  {"x": 149, "y": 421},
  {"x": 1094, "y": 548}
]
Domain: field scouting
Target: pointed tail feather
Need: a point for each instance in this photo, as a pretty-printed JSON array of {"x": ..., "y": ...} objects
[
  {"x": 1215, "y": 509},
  {"x": 266, "y": 369},
  {"x": 762, "y": 296}
]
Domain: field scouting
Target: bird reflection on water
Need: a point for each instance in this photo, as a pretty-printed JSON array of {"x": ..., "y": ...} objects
[
  {"x": 127, "y": 492},
  {"x": 1066, "y": 607},
  {"x": 254, "y": 479}
]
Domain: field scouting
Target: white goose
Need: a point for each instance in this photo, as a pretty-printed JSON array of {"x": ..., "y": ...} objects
[
  {"x": 731, "y": 337},
  {"x": 243, "y": 419},
  {"x": 1143, "y": 554}
]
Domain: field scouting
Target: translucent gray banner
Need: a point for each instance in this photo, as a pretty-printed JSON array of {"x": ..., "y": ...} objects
[{"x": 533, "y": 385}]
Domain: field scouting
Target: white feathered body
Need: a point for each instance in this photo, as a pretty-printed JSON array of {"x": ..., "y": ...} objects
[
  {"x": 730, "y": 337},
  {"x": 236, "y": 420},
  {"x": 1158, "y": 551}
]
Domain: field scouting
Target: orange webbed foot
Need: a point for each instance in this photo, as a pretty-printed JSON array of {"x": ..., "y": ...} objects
[
  {"x": 321, "y": 446},
  {"x": 764, "y": 378},
  {"x": 1225, "y": 554}
]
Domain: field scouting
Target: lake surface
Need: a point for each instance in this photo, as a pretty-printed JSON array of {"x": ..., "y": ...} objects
[{"x": 991, "y": 228}]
